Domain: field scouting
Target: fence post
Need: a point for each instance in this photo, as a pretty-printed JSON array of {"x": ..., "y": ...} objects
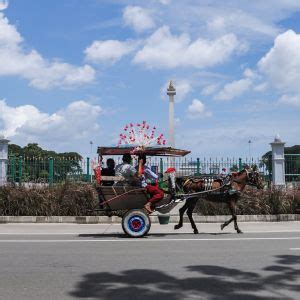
[
  {"x": 13, "y": 168},
  {"x": 161, "y": 170},
  {"x": 20, "y": 169},
  {"x": 3, "y": 160},
  {"x": 240, "y": 164},
  {"x": 87, "y": 169},
  {"x": 278, "y": 169},
  {"x": 198, "y": 166},
  {"x": 51, "y": 171}
]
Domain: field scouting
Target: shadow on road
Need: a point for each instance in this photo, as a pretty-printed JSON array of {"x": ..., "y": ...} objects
[
  {"x": 205, "y": 282},
  {"x": 123, "y": 235}
]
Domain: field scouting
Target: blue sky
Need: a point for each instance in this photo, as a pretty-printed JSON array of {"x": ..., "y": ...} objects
[{"x": 77, "y": 71}]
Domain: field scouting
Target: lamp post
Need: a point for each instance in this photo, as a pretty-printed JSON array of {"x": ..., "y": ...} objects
[
  {"x": 171, "y": 92},
  {"x": 249, "y": 142},
  {"x": 91, "y": 143}
]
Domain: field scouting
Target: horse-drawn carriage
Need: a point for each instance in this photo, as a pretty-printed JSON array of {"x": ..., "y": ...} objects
[{"x": 128, "y": 202}]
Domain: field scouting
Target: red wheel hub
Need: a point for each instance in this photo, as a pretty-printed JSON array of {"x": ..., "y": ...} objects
[{"x": 136, "y": 224}]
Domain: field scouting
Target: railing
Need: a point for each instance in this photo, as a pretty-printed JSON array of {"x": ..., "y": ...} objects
[
  {"x": 201, "y": 166},
  {"x": 55, "y": 170},
  {"x": 292, "y": 167},
  {"x": 47, "y": 170}
]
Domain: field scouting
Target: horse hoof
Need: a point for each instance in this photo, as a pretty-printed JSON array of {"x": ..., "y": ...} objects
[
  {"x": 177, "y": 226},
  {"x": 222, "y": 226},
  {"x": 196, "y": 231},
  {"x": 239, "y": 231}
]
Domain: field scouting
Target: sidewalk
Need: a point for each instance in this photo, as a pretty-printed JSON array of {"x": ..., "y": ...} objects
[
  {"x": 89, "y": 229},
  {"x": 154, "y": 219}
]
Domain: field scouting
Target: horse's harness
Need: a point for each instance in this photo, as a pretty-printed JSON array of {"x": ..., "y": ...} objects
[
  {"x": 207, "y": 186},
  {"x": 226, "y": 183}
]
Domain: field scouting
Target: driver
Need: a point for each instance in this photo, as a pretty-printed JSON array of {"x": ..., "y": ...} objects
[{"x": 149, "y": 182}]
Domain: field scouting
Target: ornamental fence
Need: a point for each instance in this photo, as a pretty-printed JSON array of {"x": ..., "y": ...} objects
[
  {"x": 292, "y": 167},
  {"x": 56, "y": 170}
]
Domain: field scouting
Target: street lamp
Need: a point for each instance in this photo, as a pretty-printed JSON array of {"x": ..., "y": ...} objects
[
  {"x": 91, "y": 143},
  {"x": 249, "y": 142}
]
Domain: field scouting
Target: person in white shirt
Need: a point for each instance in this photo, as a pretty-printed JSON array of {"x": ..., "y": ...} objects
[{"x": 127, "y": 171}]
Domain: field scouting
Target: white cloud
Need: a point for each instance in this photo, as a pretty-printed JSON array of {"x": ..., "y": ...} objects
[
  {"x": 42, "y": 74},
  {"x": 234, "y": 89},
  {"x": 260, "y": 87},
  {"x": 281, "y": 64},
  {"x": 109, "y": 51},
  {"x": 183, "y": 88},
  {"x": 138, "y": 18},
  {"x": 3, "y": 4},
  {"x": 248, "y": 73},
  {"x": 73, "y": 125},
  {"x": 165, "y": 51},
  {"x": 197, "y": 110},
  {"x": 227, "y": 21},
  {"x": 165, "y": 2},
  {"x": 209, "y": 89},
  {"x": 290, "y": 100}
]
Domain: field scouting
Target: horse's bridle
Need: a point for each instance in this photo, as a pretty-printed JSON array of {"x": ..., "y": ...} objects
[{"x": 251, "y": 178}]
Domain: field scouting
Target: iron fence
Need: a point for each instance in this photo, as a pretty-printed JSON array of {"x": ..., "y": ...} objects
[
  {"x": 45, "y": 170},
  {"x": 55, "y": 170},
  {"x": 292, "y": 167}
]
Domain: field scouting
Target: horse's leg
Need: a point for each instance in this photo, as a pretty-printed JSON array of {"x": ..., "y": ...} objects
[
  {"x": 192, "y": 204},
  {"x": 233, "y": 212},
  {"x": 232, "y": 208},
  {"x": 181, "y": 212},
  {"x": 226, "y": 223}
]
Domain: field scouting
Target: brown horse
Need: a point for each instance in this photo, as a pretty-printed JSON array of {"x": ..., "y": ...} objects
[{"x": 225, "y": 190}]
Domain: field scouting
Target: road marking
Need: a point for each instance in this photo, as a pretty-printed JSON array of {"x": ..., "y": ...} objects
[
  {"x": 294, "y": 249},
  {"x": 146, "y": 240},
  {"x": 153, "y": 233}
]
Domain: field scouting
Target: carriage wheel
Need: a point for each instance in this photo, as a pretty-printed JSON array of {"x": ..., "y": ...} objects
[{"x": 136, "y": 223}]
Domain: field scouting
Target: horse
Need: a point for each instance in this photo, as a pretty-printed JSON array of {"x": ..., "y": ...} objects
[{"x": 226, "y": 190}]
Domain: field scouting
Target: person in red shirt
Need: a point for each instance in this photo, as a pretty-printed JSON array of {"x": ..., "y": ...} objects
[{"x": 149, "y": 182}]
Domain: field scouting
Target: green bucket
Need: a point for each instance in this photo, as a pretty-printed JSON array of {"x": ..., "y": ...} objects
[{"x": 163, "y": 219}]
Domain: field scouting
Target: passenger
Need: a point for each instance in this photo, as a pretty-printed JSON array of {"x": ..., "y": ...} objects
[
  {"x": 148, "y": 181},
  {"x": 223, "y": 173},
  {"x": 109, "y": 171},
  {"x": 127, "y": 171}
]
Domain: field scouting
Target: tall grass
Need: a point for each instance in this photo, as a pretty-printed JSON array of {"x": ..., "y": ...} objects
[
  {"x": 256, "y": 202},
  {"x": 60, "y": 200},
  {"x": 72, "y": 199}
]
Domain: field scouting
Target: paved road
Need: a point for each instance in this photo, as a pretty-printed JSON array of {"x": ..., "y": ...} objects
[{"x": 64, "y": 261}]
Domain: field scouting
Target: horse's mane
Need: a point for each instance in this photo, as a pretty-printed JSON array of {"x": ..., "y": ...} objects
[{"x": 234, "y": 174}]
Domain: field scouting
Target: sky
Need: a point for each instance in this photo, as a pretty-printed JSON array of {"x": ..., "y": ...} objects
[{"x": 76, "y": 71}]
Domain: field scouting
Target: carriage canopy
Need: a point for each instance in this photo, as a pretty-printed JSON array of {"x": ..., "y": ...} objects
[{"x": 151, "y": 151}]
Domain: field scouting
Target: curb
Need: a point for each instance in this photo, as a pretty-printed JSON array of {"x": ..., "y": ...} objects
[{"x": 154, "y": 219}]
